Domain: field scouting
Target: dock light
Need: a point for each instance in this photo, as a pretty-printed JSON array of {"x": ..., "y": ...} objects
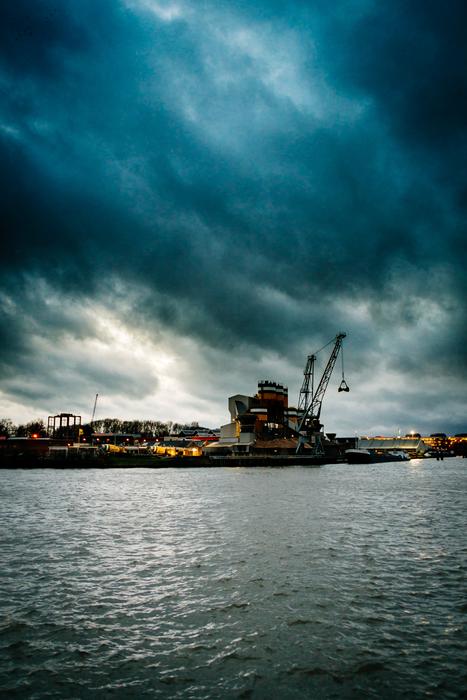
[{"x": 35, "y": 436}]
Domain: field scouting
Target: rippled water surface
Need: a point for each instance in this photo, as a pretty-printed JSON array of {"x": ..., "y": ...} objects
[{"x": 339, "y": 582}]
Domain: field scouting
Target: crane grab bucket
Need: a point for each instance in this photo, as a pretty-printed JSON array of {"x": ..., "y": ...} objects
[{"x": 343, "y": 386}]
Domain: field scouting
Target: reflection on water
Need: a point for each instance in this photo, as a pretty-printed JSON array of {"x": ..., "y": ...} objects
[{"x": 344, "y": 581}]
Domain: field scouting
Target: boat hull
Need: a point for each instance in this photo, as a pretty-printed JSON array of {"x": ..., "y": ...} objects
[{"x": 369, "y": 457}]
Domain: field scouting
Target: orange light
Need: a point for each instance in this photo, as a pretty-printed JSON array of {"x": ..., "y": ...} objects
[{"x": 35, "y": 436}]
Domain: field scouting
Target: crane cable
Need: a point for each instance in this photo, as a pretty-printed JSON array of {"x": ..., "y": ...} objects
[
  {"x": 343, "y": 386},
  {"x": 333, "y": 340}
]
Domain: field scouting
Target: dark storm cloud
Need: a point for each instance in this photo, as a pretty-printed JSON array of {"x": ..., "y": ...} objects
[
  {"x": 35, "y": 37},
  {"x": 253, "y": 171},
  {"x": 410, "y": 57}
]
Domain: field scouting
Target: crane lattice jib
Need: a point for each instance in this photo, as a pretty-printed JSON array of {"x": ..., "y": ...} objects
[
  {"x": 306, "y": 392},
  {"x": 314, "y": 409}
]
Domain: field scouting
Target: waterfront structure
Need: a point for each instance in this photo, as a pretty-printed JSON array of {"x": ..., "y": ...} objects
[
  {"x": 178, "y": 447},
  {"x": 458, "y": 443},
  {"x": 264, "y": 416},
  {"x": 413, "y": 446},
  {"x": 199, "y": 434},
  {"x": 64, "y": 426},
  {"x": 115, "y": 438},
  {"x": 418, "y": 445},
  {"x": 265, "y": 424}
]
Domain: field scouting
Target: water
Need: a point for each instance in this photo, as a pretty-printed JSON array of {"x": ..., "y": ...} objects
[{"x": 339, "y": 582}]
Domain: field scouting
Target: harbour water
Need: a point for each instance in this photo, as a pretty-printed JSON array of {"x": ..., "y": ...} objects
[{"x": 338, "y": 582}]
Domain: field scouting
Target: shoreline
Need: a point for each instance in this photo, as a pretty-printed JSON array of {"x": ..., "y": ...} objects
[{"x": 143, "y": 461}]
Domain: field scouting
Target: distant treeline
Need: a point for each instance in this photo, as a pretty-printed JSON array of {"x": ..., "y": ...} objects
[{"x": 148, "y": 428}]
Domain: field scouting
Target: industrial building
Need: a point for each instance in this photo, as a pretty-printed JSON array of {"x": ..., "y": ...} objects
[{"x": 257, "y": 419}]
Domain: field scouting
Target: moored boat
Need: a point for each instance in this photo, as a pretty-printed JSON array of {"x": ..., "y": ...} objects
[{"x": 361, "y": 456}]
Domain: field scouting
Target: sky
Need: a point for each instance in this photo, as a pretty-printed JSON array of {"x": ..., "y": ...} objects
[{"x": 197, "y": 195}]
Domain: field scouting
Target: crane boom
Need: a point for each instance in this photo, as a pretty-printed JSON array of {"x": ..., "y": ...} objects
[
  {"x": 94, "y": 409},
  {"x": 317, "y": 401}
]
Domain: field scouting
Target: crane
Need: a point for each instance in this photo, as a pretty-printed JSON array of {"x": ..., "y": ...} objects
[
  {"x": 94, "y": 409},
  {"x": 310, "y": 401}
]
